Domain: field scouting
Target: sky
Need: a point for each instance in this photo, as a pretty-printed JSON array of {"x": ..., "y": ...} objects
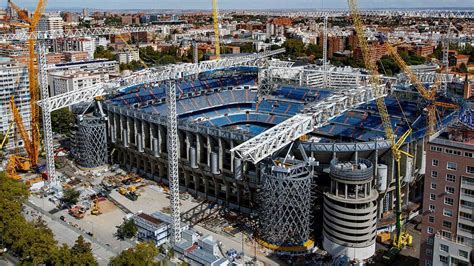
[{"x": 242, "y": 4}]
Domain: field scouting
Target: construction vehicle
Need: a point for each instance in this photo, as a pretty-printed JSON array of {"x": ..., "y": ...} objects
[
  {"x": 77, "y": 212},
  {"x": 401, "y": 239},
  {"x": 96, "y": 208},
  {"x": 122, "y": 191},
  {"x": 133, "y": 196},
  {"x": 31, "y": 144},
  {"x": 17, "y": 163}
]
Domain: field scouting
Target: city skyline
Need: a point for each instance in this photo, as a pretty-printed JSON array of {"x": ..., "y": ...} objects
[{"x": 248, "y": 4}]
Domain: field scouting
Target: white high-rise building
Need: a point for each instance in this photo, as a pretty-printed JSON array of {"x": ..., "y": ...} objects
[
  {"x": 49, "y": 22},
  {"x": 13, "y": 82}
]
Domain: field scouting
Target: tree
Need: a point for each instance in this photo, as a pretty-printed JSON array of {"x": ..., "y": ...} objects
[
  {"x": 70, "y": 196},
  {"x": 463, "y": 68},
  {"x": 294, "y": 47},
  {"x": 82, "y": 253},
  {"x": 79, "y": 254},
  {"x": 127, "y": 229},
  {"x": 62, "y": 121},
  {"x": 101, "y": 52},
  {"x": 142, "y": 254}
]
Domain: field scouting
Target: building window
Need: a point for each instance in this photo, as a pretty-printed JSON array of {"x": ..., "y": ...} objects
[
  {"x": 467, "y": 204},
  {"x": 428, "y": 262},
  {"x": 449, "y": 190},
  {"x": 448, "y": 213},
  {"x": 470, "y": 169},
  {"x": 467, "y": 181},
  {"x": 444, "y": 248},
  {"x": 432, "y": 208},
  {"x": 463, "y": 253},
  {"x": 453, "y": 166},
  {"x": 447, "y": 224},
  {"x": 429, "y": 251},
  {"x": 433, "y": 185},
  {"x": 465, "y": 216},
  {"x": 435, "y": 162},
  {"x": 430, "y": 241},
  {"x": 430, "y": 230},
  {"x": 443, "y": 259},
  {"x": 446, "y": 234},
  {"x": 469, "y": 154},
  {"x": 449, "y": 201},
  {"x": 466, "y": 228},
  {"x": 455, "y": 152},
  {"x": 432, "y": 197},
  {"x": 450, "y": 178},
  {"x": 431, "y": 219},
  {"x": 436, "y": 148},
  {"x": 434, "y": 173},
  {"x": 468, "y": 192}
]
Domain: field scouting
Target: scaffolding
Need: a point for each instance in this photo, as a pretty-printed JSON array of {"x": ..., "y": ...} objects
[
  {"x": 91, "y": 142},
  {"x": 285, "y": 203}
]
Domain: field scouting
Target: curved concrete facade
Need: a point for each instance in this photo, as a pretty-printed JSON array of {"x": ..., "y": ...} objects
[{"x": 350, "y": 211}]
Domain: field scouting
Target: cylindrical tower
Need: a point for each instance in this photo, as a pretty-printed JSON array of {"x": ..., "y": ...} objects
[
  {"x": 91, "y": 142},
  {"x": 350, "y": 210},
  {"x": 285, "y": 204}
]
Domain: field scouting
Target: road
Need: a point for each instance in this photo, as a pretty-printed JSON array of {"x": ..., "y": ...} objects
[{"x": 67, "y": 234}]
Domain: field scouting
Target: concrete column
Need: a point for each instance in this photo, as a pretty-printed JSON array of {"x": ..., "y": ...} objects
[
  {"x": 188, "y": 145},
  {"x": 196, "y": 183},
  {"x": 209, "y": 150},
  {"x": 198, "y": 148},
  {"x": 337, "y": 188},
  {"x": 152, "y": 136},
  {"x": 227, "y": 193},
  {"x": 161, "y": 139},
  {"x": 232, "y": 156},
  {"x": 221, "y": 154},
  {"x": 357, "y": 191},
  {"x": 345, "y": 191}
]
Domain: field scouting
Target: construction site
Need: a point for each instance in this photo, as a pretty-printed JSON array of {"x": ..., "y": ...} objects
[{"x": 273, "y": 159}]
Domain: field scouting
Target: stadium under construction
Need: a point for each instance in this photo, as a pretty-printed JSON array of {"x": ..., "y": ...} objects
[{"x": 341, "y": 169}]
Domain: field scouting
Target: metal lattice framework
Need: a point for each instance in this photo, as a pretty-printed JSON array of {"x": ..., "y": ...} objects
[
  {"x": 77, "y": 33},
  {"x": 173, "y": 159},
  {"x": 312, "y": 117},
  {"x": 91, "y": 142},
  {"x": 49, "y": 104},
  {"x": 418, "y": 13},
  {"x": 182, "y": 70},
  {"x": 285, "y": 205},
  {"x": 47, "y": 127}
]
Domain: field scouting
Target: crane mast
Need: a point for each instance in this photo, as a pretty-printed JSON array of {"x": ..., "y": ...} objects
[
  {"x": 374, "y": 81},
  {"x": 215, "y": 15}
]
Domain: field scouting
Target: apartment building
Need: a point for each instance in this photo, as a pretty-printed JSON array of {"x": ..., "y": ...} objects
[
  {"x": 13, "y": 82},
  {"x": 64, "y": 81},
  {"x": 50, "y": 22},
  {"x": 128, "y": 56},
  {"x": 447, "y": 230}
]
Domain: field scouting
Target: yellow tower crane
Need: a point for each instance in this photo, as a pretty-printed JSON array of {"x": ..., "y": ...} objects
[
  {"x": 32, "y": 144},
  {"x": 401, "y": 238},
  {"x": 215, "y": 15},
  {"x": 428, "y": 95}
]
